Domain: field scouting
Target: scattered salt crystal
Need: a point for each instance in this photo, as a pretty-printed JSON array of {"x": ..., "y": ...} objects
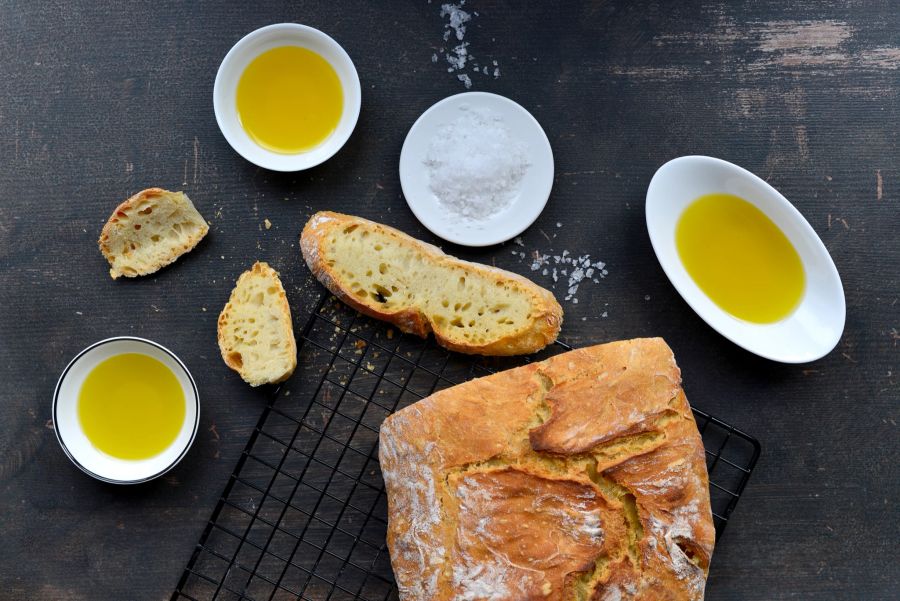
[
  {"x": 558, "y": 224},
  {"x": 518, "y": 240},
  {"x": 577, "y": 270},
  {"x": 475, "y": 166},
  {"x": 604, "y": 314},
  {"x": 459, "y": 55},
  {"x": 458, "y": 19},
  {"x": 646, "y": 297}
]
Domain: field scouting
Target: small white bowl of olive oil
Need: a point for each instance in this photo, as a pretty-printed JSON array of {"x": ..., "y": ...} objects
[
  {"x": 126, "y": 410},
  {"x": 745, "y": 259},
  {"x": 287, "y": 97}
]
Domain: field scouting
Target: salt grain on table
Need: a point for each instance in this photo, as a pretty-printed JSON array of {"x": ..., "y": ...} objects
[
  {"x": 458, "y": 56},
  {"x": 575, "y": 270}
]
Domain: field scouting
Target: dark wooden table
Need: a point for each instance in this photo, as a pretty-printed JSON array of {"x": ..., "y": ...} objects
[{"x": 97, "y": 102}]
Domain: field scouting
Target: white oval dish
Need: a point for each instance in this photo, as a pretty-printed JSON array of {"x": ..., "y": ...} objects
[
  {"x": 82, "y": 452},
  {"x": 815, "y": 326},
  {"x": 533, "y": 191},
  {"x": 242, "y": 54}
]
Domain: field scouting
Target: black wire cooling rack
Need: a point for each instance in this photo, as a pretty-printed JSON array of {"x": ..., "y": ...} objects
[{"x": 304, "y": 514}]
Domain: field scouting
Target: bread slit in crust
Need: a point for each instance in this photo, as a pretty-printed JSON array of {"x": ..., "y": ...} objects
[
  {"x": 388, "y": 275},
  {"x": 582, "y": 477}
]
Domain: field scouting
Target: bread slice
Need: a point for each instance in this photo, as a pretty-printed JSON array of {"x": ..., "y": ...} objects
[
  {"x": 150, "y": 230},
  {"x": 386, "y": 274},
  {"x": 255, "y": 333}
]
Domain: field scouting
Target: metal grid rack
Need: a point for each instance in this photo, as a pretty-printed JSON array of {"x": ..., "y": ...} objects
[{"x": 304, "y": 514}]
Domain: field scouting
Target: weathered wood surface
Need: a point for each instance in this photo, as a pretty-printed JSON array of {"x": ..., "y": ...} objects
[{"x": 97, "y": 102}]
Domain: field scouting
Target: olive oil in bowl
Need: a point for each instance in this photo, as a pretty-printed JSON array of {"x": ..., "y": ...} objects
[
  {"x": 289, "y": 100},
  {"x": 739, "y": 258},
  {"x": 131, "y": 406}
]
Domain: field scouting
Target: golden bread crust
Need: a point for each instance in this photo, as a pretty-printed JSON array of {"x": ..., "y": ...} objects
[
  {"x": 495, "y": 491},
  {"x": 540, "y": 329}
]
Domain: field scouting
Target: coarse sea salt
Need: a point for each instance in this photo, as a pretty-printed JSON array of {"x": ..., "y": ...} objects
[
  {"x": 475, "y": 165},
  {"x": 573, "y": 270},
  {"x": 458, "y": 55}
]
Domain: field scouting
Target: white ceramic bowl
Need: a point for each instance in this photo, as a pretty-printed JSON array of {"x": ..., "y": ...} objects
[
  {"x": 815, "y": 326},
  {"x": 68, "y": 427},
  {"x": 242, "y": 54},
  {"x": 534, "y": 189}
]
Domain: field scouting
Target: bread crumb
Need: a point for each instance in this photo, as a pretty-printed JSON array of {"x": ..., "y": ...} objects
[{"x": 267, "y": 223}]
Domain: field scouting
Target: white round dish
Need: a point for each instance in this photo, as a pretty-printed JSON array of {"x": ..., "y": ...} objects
[
  {"x": 815, "y": 326},
  {"x": 82, "y": 452},
  {"x": 242, "y": 54},
  {"x": 534, "y": 189}
]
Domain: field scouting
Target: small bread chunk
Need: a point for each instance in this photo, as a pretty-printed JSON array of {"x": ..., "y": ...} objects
[
  {"x": 256, "y": 336},
  {"x": 150, "y": 230},
  {"x": 389, "y": 275}
]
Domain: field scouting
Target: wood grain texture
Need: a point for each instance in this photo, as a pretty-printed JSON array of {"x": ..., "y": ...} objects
[{"x": 98, "y": 102}]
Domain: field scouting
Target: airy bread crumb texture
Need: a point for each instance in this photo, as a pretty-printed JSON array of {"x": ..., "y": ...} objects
[
  {"x": 149, "y": 231},
  {"x": 469, "y": 307},
  {"x": 256, "y": 336}
]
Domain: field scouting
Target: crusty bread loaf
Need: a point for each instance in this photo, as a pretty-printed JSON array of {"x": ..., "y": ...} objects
[
  {"x": 582, "y": 477},
  {"x": 255, "y": 334},
  {"x": 150, "y": 230},
  {"x": 387, "y": 274}
]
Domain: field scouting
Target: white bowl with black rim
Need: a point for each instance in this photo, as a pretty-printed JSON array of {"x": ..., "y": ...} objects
[{"x": 75, "y": 443}]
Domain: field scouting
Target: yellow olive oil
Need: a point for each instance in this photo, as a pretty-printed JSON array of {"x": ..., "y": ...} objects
[
  {"x": 131, "y": 406},
  {"x": 289, "y": 99},
  {"x": 740, "y": 258}
]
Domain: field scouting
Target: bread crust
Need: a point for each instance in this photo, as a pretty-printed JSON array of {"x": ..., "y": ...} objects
[
  {"x": 114, "y": 222},
  {"x": 542, "y": 329},
  {"x": 493, "y": 493}
]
